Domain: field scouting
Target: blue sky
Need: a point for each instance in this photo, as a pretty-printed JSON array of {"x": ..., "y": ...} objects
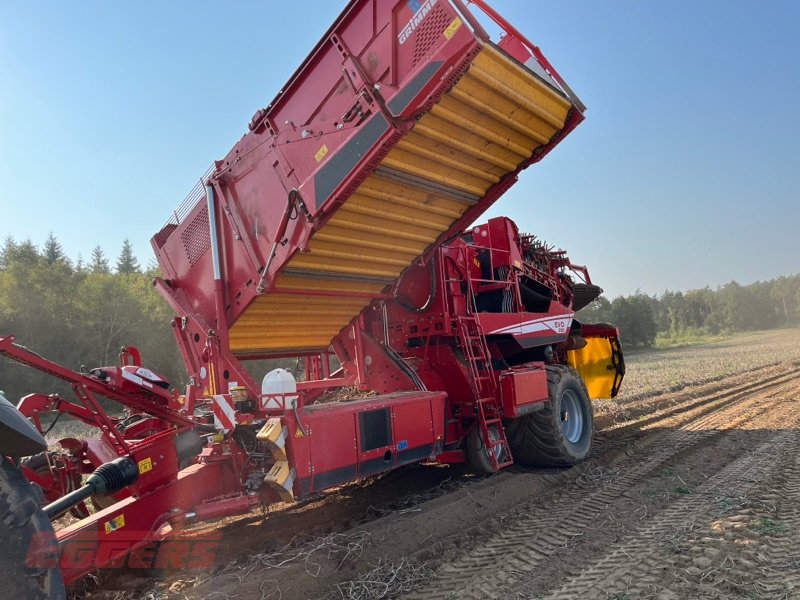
[{"x": 686, "y": 171}]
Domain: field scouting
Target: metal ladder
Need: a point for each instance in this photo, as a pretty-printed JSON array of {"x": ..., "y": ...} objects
[{"x": 479, "y": 364}]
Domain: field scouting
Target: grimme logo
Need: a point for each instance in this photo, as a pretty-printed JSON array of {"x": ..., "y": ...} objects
[
  {"x": 124, "y": 550},
  {"x": 420, "y": 10}
]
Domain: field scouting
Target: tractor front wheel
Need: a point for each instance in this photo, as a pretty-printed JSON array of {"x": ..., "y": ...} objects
[
  {"x": 28, "y": 552},
  {"x": 560, "y": 434}
]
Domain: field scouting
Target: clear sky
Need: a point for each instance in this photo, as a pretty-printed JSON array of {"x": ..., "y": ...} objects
[{"x": 686, "y": 171}]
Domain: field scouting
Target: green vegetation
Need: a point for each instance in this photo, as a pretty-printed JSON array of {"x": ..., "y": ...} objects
[
  {"x": 677, "y": 318},
  {"x": 78, "y": 314},
  {"x": 768, "y": 527},
  {"x": 678, "y": 339}
]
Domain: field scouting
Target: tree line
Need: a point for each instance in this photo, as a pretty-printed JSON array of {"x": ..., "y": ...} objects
[
  {"x": 80, "y": 313},
  {"x": 730, "y": 308}
]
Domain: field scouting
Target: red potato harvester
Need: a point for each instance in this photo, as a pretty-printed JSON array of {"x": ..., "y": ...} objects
[{"x": 337, "y": 231}]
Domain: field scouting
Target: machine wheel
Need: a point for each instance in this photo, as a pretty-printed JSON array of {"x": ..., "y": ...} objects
[
  {"x": 22, "y": 522},
  {"x": 477, "y": 454},
  {"x": 560, "y": 434},
  {"x": 39, "y": 463}
]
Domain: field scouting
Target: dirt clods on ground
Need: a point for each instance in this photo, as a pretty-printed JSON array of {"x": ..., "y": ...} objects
[{"x": 692, "y": 491}]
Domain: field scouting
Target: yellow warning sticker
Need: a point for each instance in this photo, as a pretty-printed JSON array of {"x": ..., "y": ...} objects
[
  {"x": 321, "y": 152},
  {"x": 145, "y": 465},
  {"x": 452, "y": 28},
  {"x": 299, "y": 433},
  {"x": 117, "y": 522}
]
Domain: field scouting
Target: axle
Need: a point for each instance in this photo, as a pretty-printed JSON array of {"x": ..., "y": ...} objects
[{"x": 107, "y": 479}]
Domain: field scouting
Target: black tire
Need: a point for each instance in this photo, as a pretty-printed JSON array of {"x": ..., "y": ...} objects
[
  {"x": 541, "y": 438},
  {"x": 22, "y": 523},
  {"x": 477, "y": 453}
]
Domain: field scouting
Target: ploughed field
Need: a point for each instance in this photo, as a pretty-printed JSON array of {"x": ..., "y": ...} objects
[{"x": 692, "y": 491}]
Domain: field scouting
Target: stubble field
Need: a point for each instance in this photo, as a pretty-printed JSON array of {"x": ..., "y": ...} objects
[{"x": 692, "y": 491}]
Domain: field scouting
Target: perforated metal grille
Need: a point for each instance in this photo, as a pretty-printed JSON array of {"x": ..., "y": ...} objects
[
  {"x": 196, "y": 237},
  {"x": 376, "y": 431},
  {"x": 428, "y": 32}
]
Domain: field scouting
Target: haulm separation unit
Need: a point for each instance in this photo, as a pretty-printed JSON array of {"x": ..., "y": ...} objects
[{"x": 338, "y": 230}]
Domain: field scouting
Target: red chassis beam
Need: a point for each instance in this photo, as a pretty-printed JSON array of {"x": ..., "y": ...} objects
[
  {"x": 90, "y": 384},
  {"x": 163, "y": 498},
  {"x": 134, "y": 522}
]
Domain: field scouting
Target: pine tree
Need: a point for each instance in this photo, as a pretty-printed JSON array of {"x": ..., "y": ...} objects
[
  {"x": 7, "y": 252},
  {"x": 80, "y": 267},
  {"x": 26, "y": 253},
  {"x": 99, "y": 262},
  {"x": 53, "y": 252},
  {"x": 127, "y": 262},
  {"x": 13, "y": 252}
]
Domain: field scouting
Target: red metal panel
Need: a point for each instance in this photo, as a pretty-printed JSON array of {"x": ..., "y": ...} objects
[
  {"x": 157, "y": 460},
  {"x": 302, "y": 141},
  {"x": 334, "y": 440},
  {"x": 521, "y": 389},
  {"x": 418, "y": 427},
  {"x": 501, "y": 237},
  {"x": 114, "y": 532}
]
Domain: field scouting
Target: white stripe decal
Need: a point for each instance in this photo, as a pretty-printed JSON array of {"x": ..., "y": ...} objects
[
  {"x": 560, "y": 325},
  {"x": 224, "y": 415},
  {"x": 136, "y": 379}
]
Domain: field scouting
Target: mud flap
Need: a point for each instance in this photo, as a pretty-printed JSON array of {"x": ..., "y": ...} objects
[
  {"x": 281, "y": 479},
  {"x": 600, "y": 365},
  {"x": 281, "y": 476},
  {"x": 18, "y": 436}
]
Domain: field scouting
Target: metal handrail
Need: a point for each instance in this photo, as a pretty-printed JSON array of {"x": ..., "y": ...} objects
[
  {"x": 534, "y": 49},
  {"x": 195, "y": 195}
]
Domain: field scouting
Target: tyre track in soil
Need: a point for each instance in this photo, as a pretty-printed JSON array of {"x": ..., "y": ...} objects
[
  {"x": 782, "y": 551},
  {"x": 528, "y": 540},
  {"x": 635, "y": 566},
  {"x": 707, "y": 398},
  {"x": 753, "y": 547},
  {"x": 460, "y": 514}
]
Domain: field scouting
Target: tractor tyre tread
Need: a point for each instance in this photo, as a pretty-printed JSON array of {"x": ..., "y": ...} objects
[
  {"x": 21, "y": 522},
  {"x": 538, "y": 439},
  {"x": 477, "y": 456}
]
